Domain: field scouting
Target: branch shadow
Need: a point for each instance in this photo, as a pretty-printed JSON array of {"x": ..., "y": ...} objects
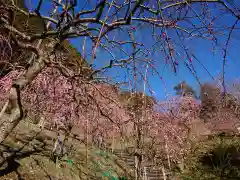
[
  {"x": 11, "y": 160},
  {"x": 44, "y": 170},
  {"x": 12, "y": 164}
]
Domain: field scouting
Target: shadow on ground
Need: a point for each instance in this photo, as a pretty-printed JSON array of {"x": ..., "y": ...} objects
[{"x": 28, "y": 156}]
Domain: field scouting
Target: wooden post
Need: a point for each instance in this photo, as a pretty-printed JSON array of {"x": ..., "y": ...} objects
[
  {"x": 113, "y": 141},
  {"x": 145, "y": 173},
  {"x": 164, "y": 174},
  {"x": 168, "y": 158},
  {"x": 41, "y": 123}
]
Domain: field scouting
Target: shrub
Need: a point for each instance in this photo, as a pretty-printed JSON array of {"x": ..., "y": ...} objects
[{"x": 216, "y": 158}]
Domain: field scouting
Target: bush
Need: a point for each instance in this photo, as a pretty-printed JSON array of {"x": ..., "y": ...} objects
[
  {"x": 210, "y": 100},
  {"x": 218, "y": 158}
]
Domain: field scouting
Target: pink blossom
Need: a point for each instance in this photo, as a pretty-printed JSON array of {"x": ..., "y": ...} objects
[
  {"x": 134, "y": 28},
  {"x": 164, "y": 34}
]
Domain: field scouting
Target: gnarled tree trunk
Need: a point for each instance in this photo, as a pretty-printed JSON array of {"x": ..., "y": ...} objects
[{"x": 13, "y": 111}]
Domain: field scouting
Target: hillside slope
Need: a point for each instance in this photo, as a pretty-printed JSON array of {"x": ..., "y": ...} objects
[{"x": 26, "y": 154}]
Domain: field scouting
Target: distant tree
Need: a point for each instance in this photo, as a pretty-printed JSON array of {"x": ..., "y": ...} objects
[
  {"x": 209, "y": 92},
  {"x": 210, "y": 96},
  {"x": 184, "y": 89},
  {"x": 233, "y": 100},
  {"x": 137, "y": 100}
]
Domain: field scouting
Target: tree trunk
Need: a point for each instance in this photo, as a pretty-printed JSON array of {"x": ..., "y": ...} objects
[
  {"x": 137, "y": 175},
  {"x": 13, "y": 114},
  {"x": 138, "y": 153},
  {"x": 14, "y": 106}
]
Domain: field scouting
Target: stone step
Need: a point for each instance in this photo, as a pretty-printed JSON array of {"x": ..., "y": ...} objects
[
  {"x": 153, "y": 173},
  {"x": 121, "y": 153},
  {"x": 126, "y": 158},
  {"x": 128, "y": 161},
  {"x": 153, "y": 170},
  {"x": 131, "y": 164},
  {"x": 155, "y": 178}
]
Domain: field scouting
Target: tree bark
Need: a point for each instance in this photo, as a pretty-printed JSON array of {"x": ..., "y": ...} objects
[
  {"x": 138, "y": 153},
  {"x": 13, "y": 114}
]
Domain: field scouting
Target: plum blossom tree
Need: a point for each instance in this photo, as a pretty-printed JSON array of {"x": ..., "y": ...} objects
[{"x": 48, "y": 86}]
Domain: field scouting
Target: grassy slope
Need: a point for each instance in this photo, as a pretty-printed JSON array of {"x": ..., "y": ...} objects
[{"x": 33, "y": 161}]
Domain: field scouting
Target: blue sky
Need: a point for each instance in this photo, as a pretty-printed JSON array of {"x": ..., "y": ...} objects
[{"x": 211, "y": 57}]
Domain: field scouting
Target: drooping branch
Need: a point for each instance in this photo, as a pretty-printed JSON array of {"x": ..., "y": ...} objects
[{"x": 13, "y": 110}]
